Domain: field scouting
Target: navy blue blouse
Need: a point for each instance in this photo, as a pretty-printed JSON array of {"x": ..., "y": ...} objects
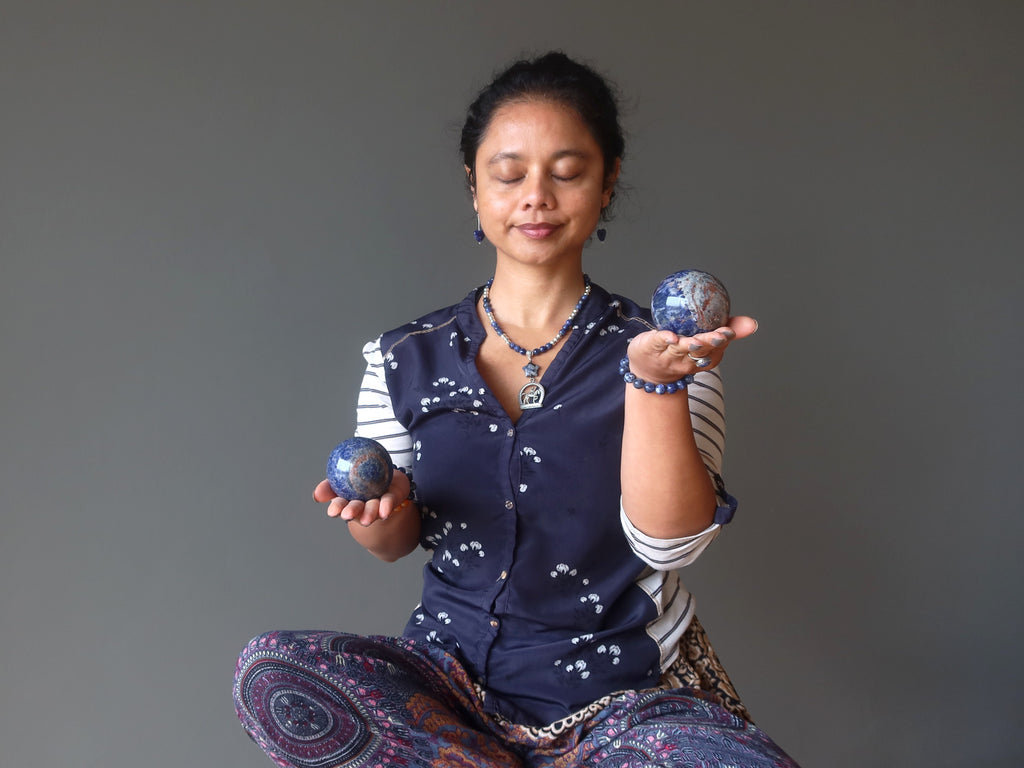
[{"x": 535, "y": 579}]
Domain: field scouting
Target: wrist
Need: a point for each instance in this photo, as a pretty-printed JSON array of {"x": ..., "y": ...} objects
[{"x": 652, "y": 387}]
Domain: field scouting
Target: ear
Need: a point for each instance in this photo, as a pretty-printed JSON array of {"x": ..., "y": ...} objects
[
  {"x": 609, "y": 183},
  {"x": 471, "y": 183}
]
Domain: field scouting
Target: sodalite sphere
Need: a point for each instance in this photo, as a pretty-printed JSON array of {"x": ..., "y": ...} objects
[
  {"x": 359, "y": 468},
  {"x": 690, "y": 302}
]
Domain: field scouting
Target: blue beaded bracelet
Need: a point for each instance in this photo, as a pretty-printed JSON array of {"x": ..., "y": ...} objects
[{"x": 647, "y": 386}]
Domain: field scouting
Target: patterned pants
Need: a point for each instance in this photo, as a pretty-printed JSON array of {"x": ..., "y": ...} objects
[{"x": 330, "y": 700}]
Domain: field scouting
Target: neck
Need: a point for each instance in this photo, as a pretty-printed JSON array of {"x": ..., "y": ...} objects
[{"x": 532, "y": 301}]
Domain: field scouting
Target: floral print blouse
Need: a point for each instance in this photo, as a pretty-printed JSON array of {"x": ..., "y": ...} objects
[{"x": 536, "y": 579}]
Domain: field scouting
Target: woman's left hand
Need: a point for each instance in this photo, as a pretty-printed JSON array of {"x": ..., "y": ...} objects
[{"x": 663, "y": 357}]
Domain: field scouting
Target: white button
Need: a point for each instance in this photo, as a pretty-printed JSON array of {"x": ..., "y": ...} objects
[
  {"x": 504, "y": 575},
  {"x": 494, "y": 622},
  {"x": 511, "y": 433},
  {"x": 509, "y": 505}
]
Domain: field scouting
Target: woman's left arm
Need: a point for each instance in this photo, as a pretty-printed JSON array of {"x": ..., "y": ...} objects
[{"x": 666, "y": 490}]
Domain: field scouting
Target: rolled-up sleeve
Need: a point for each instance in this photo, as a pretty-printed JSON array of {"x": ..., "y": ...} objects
[{"x": 667, "y": 554}]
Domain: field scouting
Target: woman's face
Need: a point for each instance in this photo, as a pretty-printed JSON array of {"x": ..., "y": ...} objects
[{"x": 540, "y": 182}]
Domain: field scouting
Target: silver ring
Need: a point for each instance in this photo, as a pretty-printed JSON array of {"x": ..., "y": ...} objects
[{"x": 700, "y": 362}]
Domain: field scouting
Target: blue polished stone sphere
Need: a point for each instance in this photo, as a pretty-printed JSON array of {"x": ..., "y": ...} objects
[
  {"x": 359, "y": 468},
  {"x": 690, "y": 302}
]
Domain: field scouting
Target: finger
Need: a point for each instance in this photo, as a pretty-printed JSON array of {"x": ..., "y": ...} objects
[
  {"x": 351, "y": 510},
  {"x": 370, "y": 510},
  {"x": 400, "y": 486},
  {"x": 336, "y": 506},
  {"x": 387, "y": 504},
  {"x": 742, "y": 326},
  {"x": 651, "y": 342},
  {"x": 323, "y": 492},
  {"x": 704, "y": 344}
]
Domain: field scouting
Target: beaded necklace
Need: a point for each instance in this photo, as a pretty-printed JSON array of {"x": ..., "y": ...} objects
[{"x": 532, "y": 393}]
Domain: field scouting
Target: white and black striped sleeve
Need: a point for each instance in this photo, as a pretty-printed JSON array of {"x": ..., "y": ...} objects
[
  {"x": 667, "y": 554},
  {"x": 375, "y": 415}
]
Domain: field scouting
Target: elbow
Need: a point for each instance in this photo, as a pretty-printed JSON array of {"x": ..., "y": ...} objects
[{"x": 392, "y": 554}]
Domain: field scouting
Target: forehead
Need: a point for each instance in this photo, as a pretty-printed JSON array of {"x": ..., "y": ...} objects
[{"x": 536, "y": 127}]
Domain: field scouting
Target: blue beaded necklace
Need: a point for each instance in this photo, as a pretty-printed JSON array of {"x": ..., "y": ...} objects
[{"x": 532, "y": 393}]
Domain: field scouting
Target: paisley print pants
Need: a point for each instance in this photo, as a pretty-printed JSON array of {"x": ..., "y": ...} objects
[{"x": 329, "y": 700}]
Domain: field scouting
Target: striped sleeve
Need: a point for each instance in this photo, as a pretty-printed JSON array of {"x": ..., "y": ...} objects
[
  {"x": 667, "y": 554},
  {"x": 375, "y": 415},
  {"x": 707, "y": 417},
  {"x": 675, "y": 606}
]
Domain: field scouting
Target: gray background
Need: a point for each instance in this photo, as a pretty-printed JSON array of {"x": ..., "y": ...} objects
[{"x": 208, "y": 206}]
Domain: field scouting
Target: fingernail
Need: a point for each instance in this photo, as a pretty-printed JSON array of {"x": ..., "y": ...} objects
[
  {"x": 717, "y": 341},
  {"x": 695, "y": 347},
  {"x": 729, "y": 333}
]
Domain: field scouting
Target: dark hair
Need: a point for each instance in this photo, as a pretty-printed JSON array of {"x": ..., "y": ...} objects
[{"x": 556, "y": 77}]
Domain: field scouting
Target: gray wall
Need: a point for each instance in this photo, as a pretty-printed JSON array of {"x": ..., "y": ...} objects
[{"x": 206, "y": 208}]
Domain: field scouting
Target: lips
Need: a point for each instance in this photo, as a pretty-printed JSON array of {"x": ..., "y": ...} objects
[{"x": 537, "y": 231}]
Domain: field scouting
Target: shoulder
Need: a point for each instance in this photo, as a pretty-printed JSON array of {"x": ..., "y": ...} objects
[
  {"x": 443, "y": 324},
  {"x": 612, "y": 311}
]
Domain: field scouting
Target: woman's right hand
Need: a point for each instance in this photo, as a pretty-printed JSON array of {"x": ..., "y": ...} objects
[
  {"x": 388, "y": 528},
  {"x": 366, "y": 513}
]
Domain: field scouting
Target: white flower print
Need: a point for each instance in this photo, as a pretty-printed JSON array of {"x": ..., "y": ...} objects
[
  {"x": 568, "y": 579},
  {"x": 594, "y": 600},
  {"x": 531, "y": 453},
  {"x": 453, "y": 390},
  {"x": 455, "y": 550},
  {"x": 578, "y": 667},
  {"x": 472, "y": 547}
]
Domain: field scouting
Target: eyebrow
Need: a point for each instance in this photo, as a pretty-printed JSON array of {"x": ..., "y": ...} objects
[{"x": 501, "y": 156}]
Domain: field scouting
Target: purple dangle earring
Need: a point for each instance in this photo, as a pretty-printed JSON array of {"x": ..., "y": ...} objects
[
  {"x": 478, "y": 234},
  {"x": 602, "y": 233}
]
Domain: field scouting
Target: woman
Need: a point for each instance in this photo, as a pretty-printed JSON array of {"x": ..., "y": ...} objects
[{"x": 556, "y": 493}]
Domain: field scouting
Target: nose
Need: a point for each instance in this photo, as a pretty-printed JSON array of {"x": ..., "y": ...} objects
[{"x": 538, "y": 192}]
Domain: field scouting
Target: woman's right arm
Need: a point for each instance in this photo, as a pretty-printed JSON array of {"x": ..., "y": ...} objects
[{"x": 388, "y": 527}]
